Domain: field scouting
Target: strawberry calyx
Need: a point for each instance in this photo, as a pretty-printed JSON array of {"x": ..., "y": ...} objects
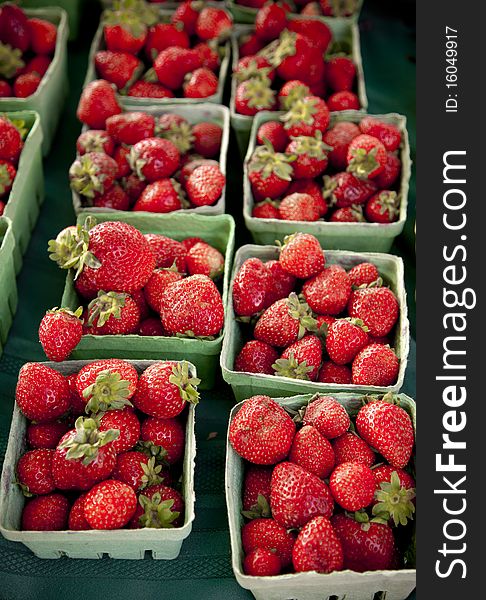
[
  {"x": 70, "y": 248},
  {"x": 85, "y": 177},
  {"x": 301, "y": 312},
  {"x": 300, "y": 112},
  {"x": 252, "y": 71},
  {"x": 388, "y": 202},
  {"x": 259, "y": 510},
  {"x": 286, "y": 46},
  {"x": 313, "y": 147},
  {"x": 358, "y": 323},
  {"x": 363, "y": 162},
  {"x": 374, "y": 284},
  {"x": 66, "y": 311},
  {"x": 180, "y": 134},
  {"x": 186, "y": 383},
  {"x": 158, "y": 453},
  {"x": 259, "y": 94},
  {"x": 95, "y": 142},
  {"x": 150, "y": 76},
  {"x": 296, "y": 93},
  {"x": 394, "y": 501},
  {"x": 268, "y": 162},
  {"x": 157, "y": 514},
  {"x": 330, "y": 184},
  {"x": 104, "y": 306},
  {"x": 151, "y": 473},
  {"x": 289, "y": 367},
  {"x": 87, "y": 440},
  {"x": 6, "y": 179},
  {"x": 10, "y": 61},
  {"x": 362, "y": 517},
  {"x": 19, "y": 124},
  {"x": 108, "y": 392}
]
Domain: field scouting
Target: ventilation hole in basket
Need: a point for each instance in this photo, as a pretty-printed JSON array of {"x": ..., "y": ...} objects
[{"x": 380, "y": 596}]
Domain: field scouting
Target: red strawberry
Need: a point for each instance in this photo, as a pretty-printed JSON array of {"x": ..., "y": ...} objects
[
  {"x": 297, "y": 496},
  {"x": 268, "y": 534},
  {"x": 152, "y": 327},
  {"x": 366, "y": 546},
  {"x": 159, "y": 280},
  {"x": 270, "y": 21},
  {"x": 7, "y": 175},
  {"x": 343, "y": 101},
  {"x": 34, "y": 472},
  {"x": 186, "y": 15},
  {"x": 348, "y": 214},
  {"x": 388, "y": 134},
  {"x": 345, "y": 338},
  {"x": 388, "y": 428},
  {"x": 255, "y": 488},
  {"x": 268, "y": 209},
  {"x": 383, "y": 207},
  {"x": 311, "y": 156},
  {"x": 124, "y": 31},
  {"x": 137, "y": 470},
  {"x": 307, "y": 116},
  {"x": 97, "y": 103},
  {"x": 127, "y": 424},
  {"x": 164, "y": 388},
  {"x": 46, "y": 513},
  {"x": 301, "y": 360},
  {"x": 317, "y": 548},
  {"x": 92, "y": 174},
  {"x": 256, "y": 357},
  {"x": 10, "y": 141},
  {"x": 377, "y": 307},
  {"x": 311, "y": 187},
  {"x": 329, "y": 291},
  {"x": 291, "y": 91},
  {"x": 294, "y": 55},
  {"x": 77, "y": 521},
  {"x": 45, "y": 435},
  {"x": 281, "y": 282},
  {"x": 302, "y": 255},
  {"x": 148, "y": 89},
  {"x": 207, "y": 139},
  {"x": 366, "y": 156},
  {"x": 253, "y": 96},
  {"x": 353, "y": 485},
  {"x": 167, "y": 252},
  {"x": 344, "y": 189},
  {"x": 317, "y": 32},
  {"x": 159, "y": 506},
  {"x": 254, "y": 67},
  {"x": 390, "y": 173},
  {"x": 208, "y": 54},
  {"x": 191, "y": 165},
  {"x": 26, "y": 85},
  {"x": 327, "y": 416},
  {"x": 270, "y": 172},
  {"x": 38, "y": 64},
  {"x": 60, "y": 332},
  {"x": 339, "y": 137},
  {"x": 115, "y": 198},
  {"x": 363, "y": 274},
  {"x": 161, "y": 196},
  {"x": 262, "y": 431},
  {"x": 205, "y": 185},
  {"x": 14, "y": 27},
  {"x": 275, "y": 133},
  {"x": 5, "y": 89},
  {"x": 201, "y": 83},
  {"x": 109, "y": 505},
  {"x": 131, "y": 127},
  {"x": 213, "y": 23},
  {"x": 395, "y": 495},
  {"x": 113, "y": 313},
  {"x": 340, "y": 74},
  {"x": 119, "y": 68},
  {"x": 351, "y": 448},
  {"x": 375, "y": 365},
  {"x": 299, "y": 207},
  {"x": 173, "y": 64},
  {"x": 250, "y": 44},
  {"x": 154, "y": 158},
  {"x": 261, "y": 563},
  {"x": 332, "y": 373},
  {"x": 42, "y": 393},
  {"x": 95, "y": 140},
  {"x": 167, "y": 436},
  {"x": 312, "y": 451},
  {"x": 162, "y": 36},
  {"x": 203, "y": 259},
  {"x": 189, "y": 242}
]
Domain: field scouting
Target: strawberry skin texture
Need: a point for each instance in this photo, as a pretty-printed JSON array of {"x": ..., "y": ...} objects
[
  {"x": 87, "y": 375},
  {"x": 353, "y": 485},
  {"x": 328, "y": 416},
  {"x": 156, "y": 395},
  {"x": 127, "y": 424},
  {"x": 332, "y": 373},
  {"x": 344, "y": 340},
  {"x": 299, "y": 207},
  {"x": 159, "y": 280},
  {"x": 276, "y": 326},
  {"x": 10, "y": 141},
  {"x": 375, "y": 365},
  {"x": 42, "y": 393},
  {"x": 45, "y": 435},
  {"x": 275, "y": 132},
  {"x": 130, "y": 128},
  {"x": 329, "y": 291},
  {"x": 257, "y": 483},
  {"x": 262, "y": 432},
  {"x": 76, "y": 520},
  {"x": 262, "y": 563},
  {"x": 34, "y": 471},
  {"x": 351, "y": 448},
  {"x": 109, "y": 505},
  {"x": 127, "y": 323},
  {"x": 317, "y": 548},
  {"x": 308, "y": 350},
  {"x": 203, "y": 259},
  {"x": 376, "y": 307},
  {"x": 97, "y": 103},
  {"x": 159, "y": 197},
  {"x": 312, "y": 451},
  {"x": 207, "y": 139},
  {"x": 59, "y": 334},
  {"x": 167, "y": 251},
  {"x": 390, "y": 172},
  {"x": 302, "y": 256},
  {"x": 339, "y": 137},
  {"x": 268, "y": 534},
  {"x": 167, "y": 433},
  {"x": 46, "y": 513},
  {"x": 250, "y": 288},
  {"x": 172, "y": 65},
  {"x": 389, "y": 135},
  {"x": 201, "y": 83},
  {"x": 363, "y": 274},
  {"x": 205, "y": 185},
  {"x": 297, "y": 496},
  {"x": 128, "y": 468},
  {"x": 256, "y": 357},
  {"x": 281, "y": 282}
]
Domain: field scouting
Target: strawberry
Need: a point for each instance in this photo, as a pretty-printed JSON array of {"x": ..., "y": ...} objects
[
  {"x": 148, "y": 89},
  {"x": 275, "y": 133},
  {"x": 124, "y": 31},
  {"x": 291, "y": 92},
  {"x": 256, "y": 491},
  {"x": 201, "y": 83},
  {"x": 84, "y": 456},
  {"x": 45, "y": 435},
  {"x": 26, "y": 85},
  {"x": 76, "y": 520},
  {"x": 131, "y": 127},
  {"x": 95, "y": 140},
  {"x": 343, "y": 101},
  {"x": 312, "y": 451},
  {"x": 261, "y": 432},
  {"x": 311, "y": 187},
  {"x": 205, "y": 185},
  {"x": 363, "y": 274},
  {"x": 301, "y": 360},
  {"x": 353, "y": 485},
  {"x": 208, "y": 54},
  {"x": 395, "y": 495},
  {"x": 253, "y": 96},
  {"x": 348, "y": 214},
  {"x": 270, "y": 21},
  {"x": 164, "y": 389},
  {"x": 345, "y": 338},
  {"x": 213, "y": 23},
  {"x": 60, "y": 332},
  {"x": 151, "y": 327},
  {"x": 97, "y": 103},
  {"x": 207, "y": 139},
  {"x": 254, "y": 67},
  {"x": 339, "y": 137},
  {"x": 311, "y": 156},
  {"x": 119, "y": 68},
  {"x": 127, "y": 424},
  {"x": 268, "y": 209},
  {"x": 167, "y": 252},
  {"x": 34, "y": 472},
  {"x": 137, "y": 470},
  {"x": 186, "y": 16},
  {"x": 340, "y": 74},
  {"x": 38, "y": 64},
  {"x": 249, "y": 44},
  {"x": 366, "y": 156},
  {"x": 203, "y": 259},
  {"x": 383, "y": 207},
  {"x": 327, "y": 416},
  {"x": 270, "y": 535},
  {"x": 158, "y": 281},
  {"x": 256, "y": 357},
  {"x": 328, "y": 292},
  {"x": 191, "y": 165},
  {"x": 161, "y": 196},
  {"x": 317, "y": 548},
  {"x": 5, "y": 89},
  {"x": 7, "y": 176},
  {"x": 332, "y": 373},
  {"x": 282, "y": 283},
  {"x": 10, "y": 141},
  {"x": 46, "y": 513},
  {"x": 388, "y": 134},
  {"x": 301, "y": 255},
  {"x": 92, "y": 174},
  {"x": 115, "y": 198},
  {"x": 262, "y": 562},
  {"x": 375, "y": 365},
  {"x": 154, "y": 158},
  {"x": 176, "y": 129},
  {"x": 189, "y": 242},
  {"x": 388, "y": 428},
  {"x": 307, "y": 116},
  {"x": 109, "y": 505},
  {"x": 42, "y": 393},
  {"x": 351, "y": 448},
  {"x": 366, "y": 546},
  {"x": 173, "y": 64},
  {"x": 250, "y": 288},
  {"x": 293, "y": 56},
  {"x": 167, "y": 435},
  {"x": 377, "y": 307},
  {"x": 344, "y": 189},
  {"x": 113, "y": 313},
  {"x": 162, "y": 36},
  {"x": 299, "y": 207},
  {"x": 120, "y": 155},
  {"x": 270, "y": 172},
  {"x": 14, "y": 27},
  {"x": 390, "y": 173},
  {"x": 159, "y": 506},
  {"x": 297, "y": 496}
]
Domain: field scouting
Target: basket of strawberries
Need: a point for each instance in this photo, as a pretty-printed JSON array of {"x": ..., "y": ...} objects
[{"x": 8, "y": 283}]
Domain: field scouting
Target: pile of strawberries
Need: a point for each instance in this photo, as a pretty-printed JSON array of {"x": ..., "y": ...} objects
[
  {"x": 316, "y": 322},
  {"x": 148, "y": 285},
  {"x": 287, "y": 59},
  {"x": 323, "y": 8},
  {"x": 140, "y": 162},
  {"x": 329, "y": 494},
  {"x": 105, "y": 445},
  {"x": 27, "y": 46},
  {"x": 304, "y": 170},
  {"x": 148, "y": 58},
  {"x": 12, "y": 134}
]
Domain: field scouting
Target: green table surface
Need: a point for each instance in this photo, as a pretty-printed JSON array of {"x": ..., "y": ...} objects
[{"x": 203, "y": 569}]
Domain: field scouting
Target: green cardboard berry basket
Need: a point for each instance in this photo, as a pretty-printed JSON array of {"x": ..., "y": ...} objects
[
  {"x": 249, "y": 384},
  {"x": 340, "y": 585},
  {"x": 123, "y": 543},
  {"x": 366, "y": 237},
  {"x": 72, "y": 8},
  {"x": 347, "y": 33},
  {"x": 27, "y": 193},
  {"x": 52, "y": 91},
  {"x": 215, "y": 113},
  {"x": 218, "y": 231},
  {"x": 132, "y": 103},
  {"x": 8, "y": 283}
]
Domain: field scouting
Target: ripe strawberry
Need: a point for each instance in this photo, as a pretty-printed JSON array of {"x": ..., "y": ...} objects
[
  {"x": 97, "y": 103},
  {"x": 14, "y": 27},
  {"x": 375, "y": 365},
  {"x": 205, "y": 185},
  {"x": 203, "y": 259},
  {"x": 254, "y": 67},
  {"x": 34, "y": 472},
  {"x": 137, "y": 470},
  {"x": 332, "y": 373},
  {"x": 46, "y": 513},
  {"x": 256, "y": 491},
  {"x": 131, "y": 127},
  {"x": 162, "y": 36},
  {"x": 348, "y": 214},
  {"x": 345, "y": 338},
  {"x": 343, "y": 101},
  {"x": 256, "y": 357},
  {"x": 262, "y": 431},
  {"x": 327, "y": 416},
  {"x": 270, "y": 172},
  {"x": 5, "y": 89},
  {"x": 115, "y": 198},
  {"x": 383, "y": 207},
  {"x": 377, "y": 307},
  {"x": 353, "y": 485},
  {"x": 42, "y": 393},
  {"x": 328, "y": 292},
  {"x": 167, "y": 252},
  {"x": 10, "y": 141},
  {"x": 189, "y": 242},
  {"x": 301, "y": 360},
  {"x": 158, "y": 281},
  {"x": 344, "y": 189},
  {"x": 291, "y": 92},
  {"x": 270, "y": 535},
  {"x": 366, "y": 546},
  {"x": 201, "y": 83},
  {"x": 340, "y": 74},
  {"x": 121, "y": 155},
  {"x": 109, "y": 505},
  {"x": 351, "y": 448},
  {"x": 390, "y": 173},
  {"x": 167, "y": 435},
  {"x": 302, "y": 256},
  {"x": 270, "y": 21},
  {"x": 26, "y": 85},
  {"x": 95, "y": 140},
  {"x": 191, "y": 165},
  {"x": 213, "y": 23},
  {"x": 92, "y": 174},
  {"x": 143, "y": 307},
  {"x": 7, "y": 176},
  {"x": 268, "y": 209},
  {"x": 261, "y": 563},
  {"x": 60, "y": 332},
  {"x": 45, "y": 435},
  {"x": 154, "y": 158},
  {"x": 317, "y": 32},
  {"x": 124, "y": 31},
  {"x": 176, "y": 129},
  {"x": 159, "y": 506},
  {"x": 311, "y": 187},
  {"x": 127, "y": 424},
  {"x": 76, "y": 520},
  {"x": 113, "y": 313},
  {"x": 312, "y": 451},
  {"x": 275, "y": 133},
  {"x": 208, "y": 54},
  {"x": 173, "y": 64},
  {"x": 119, "y": 68},
  {"x": 339, "y": 137},
  {"x": 395, "y": 495},
  {"x": 151, "y": 327},
  {"x": 281, "y": 282},
  {"x": 366, "y": 156},
  {"x": 207, "y": 139},
  {"x": 306, "y": 117},
  {"x": 317, "y": 548},
  {"x": 311, "y": 156},
  {"x": 388, "y": 428},
  {"x": 294, "y": 55},
  {"x": 161, "y": 196},
  {"x": 388, "y": 134},
  {"x": 148, "y": 89},
  {"x": 299, "y": 207},
  {"x": 38, "y": 64},
  {"x": 253, "y": 96},
  {"x": 84, "y": 456},
  {"x": 186, "y": 16},
  {"x": 297, "y": 496},
  {"x": 363, "y": 274},
  {"x": 164, "y": 389}
]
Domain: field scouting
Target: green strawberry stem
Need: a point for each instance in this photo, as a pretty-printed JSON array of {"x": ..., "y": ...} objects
[
  {"x": 157, "y": 514},
  {"x": 87, "y": 440},
  {"x": 394, "y": 501},
  {"x": 259, "y": 510},
  {"x": 151, "y": 473},
  {"x": 185, "y": 382},
  {"x": 106, "y": 305},
  {"x": 108, "y": 392},
  {"x": 289, "y": 367}
]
